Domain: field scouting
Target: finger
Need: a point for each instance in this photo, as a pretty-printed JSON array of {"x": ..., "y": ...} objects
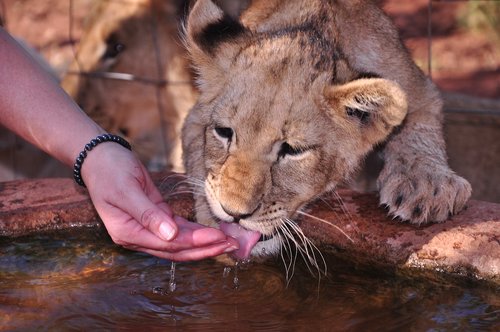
[
  {"x": 198, "y": 237},
  {"x": 195, "y": 253},
  {"x": 157, "y": 218},
  {"x": 138, "y": 237},
  {"x": 164, "y": 206}
]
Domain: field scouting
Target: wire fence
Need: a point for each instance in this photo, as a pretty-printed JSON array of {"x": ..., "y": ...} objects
[{"x": 159, "y": 81}]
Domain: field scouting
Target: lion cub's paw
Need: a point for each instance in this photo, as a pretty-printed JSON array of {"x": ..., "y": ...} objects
[{"x": 424, "y": 194}]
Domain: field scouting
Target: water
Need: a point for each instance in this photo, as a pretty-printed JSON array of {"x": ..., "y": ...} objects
[
  {"x": 172, "y": 285},
  {"x": 84, "y": 282}
]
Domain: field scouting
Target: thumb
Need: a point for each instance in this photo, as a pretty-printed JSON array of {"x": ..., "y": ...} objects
[
  {"x": 155, "y": 217},
  {"x": 158, "y": 222}
]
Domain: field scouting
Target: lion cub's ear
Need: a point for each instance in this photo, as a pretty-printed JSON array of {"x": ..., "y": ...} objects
[
  {"x": 369, "y": 108},
  {"x": 213, "y": 37}
]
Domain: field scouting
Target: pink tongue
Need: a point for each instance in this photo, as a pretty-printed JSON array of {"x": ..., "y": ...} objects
[{"x": 246, "y": 239}]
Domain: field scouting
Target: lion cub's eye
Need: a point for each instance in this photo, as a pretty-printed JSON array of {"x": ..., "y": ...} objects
[
  {"x": 113, "y": 48},
  {"x": 287, "y": 149},
  {"x": 224, "y": 132}
]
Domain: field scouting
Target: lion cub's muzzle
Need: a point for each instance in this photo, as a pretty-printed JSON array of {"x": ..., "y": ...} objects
[
  {"x": 242, "y": 186},
  {"x": 236, "y": 198}
]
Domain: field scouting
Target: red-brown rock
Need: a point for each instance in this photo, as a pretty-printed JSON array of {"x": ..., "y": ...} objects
[{"x": 354, "y": 227}]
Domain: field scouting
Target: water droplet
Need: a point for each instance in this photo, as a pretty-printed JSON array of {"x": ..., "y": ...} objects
[
  {"x": 227, "y": 270},
  {"x": 158, "y": 290},
  {"x": 107, "y": 260},
  {"x": 236, "y": 280},
  {"x": 172, "y": 285}
]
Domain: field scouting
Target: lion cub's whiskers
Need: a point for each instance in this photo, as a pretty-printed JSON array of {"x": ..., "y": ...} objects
[
  {"x": 339, "y": 200},
  {"x": 286, "y": 248},
  {"x": 192, "y": 183},
  {"x": 292, "y": 234},
  {"x": 183, "y": 192},
  {"x": 186, "y": 180},
  {"x": 326, "y": 222},
  {"x": 178, "y": 190},
  {"x": 289, "y": 265},
  {"x": 343, "y": 207},
  {"x": 194, "y": 186},
  {"x": 202, "y": 209},
  {"x": 309, "y": 246},
  {"x": 172, "y": 176}
]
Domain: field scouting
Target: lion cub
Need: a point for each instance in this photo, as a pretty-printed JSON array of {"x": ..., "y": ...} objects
[{"x": 293, "y": 95}]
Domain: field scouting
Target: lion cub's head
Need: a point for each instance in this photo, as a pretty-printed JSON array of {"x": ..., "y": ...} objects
[{"x": 281, "y": 119}]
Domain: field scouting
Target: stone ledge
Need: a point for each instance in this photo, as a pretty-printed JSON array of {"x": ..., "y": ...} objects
[
  {"x": 28, "y": 206},
  {"x": 466, "y": 245}
]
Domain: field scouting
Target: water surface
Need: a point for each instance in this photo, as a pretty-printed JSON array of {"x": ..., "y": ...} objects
[{"x": 82, "y": 281}]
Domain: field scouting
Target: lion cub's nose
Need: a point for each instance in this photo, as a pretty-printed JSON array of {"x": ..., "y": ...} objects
[{"x": 238, "y": 215}]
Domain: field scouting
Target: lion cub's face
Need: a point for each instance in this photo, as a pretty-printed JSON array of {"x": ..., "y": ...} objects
[{"x": 271, "y": 132}]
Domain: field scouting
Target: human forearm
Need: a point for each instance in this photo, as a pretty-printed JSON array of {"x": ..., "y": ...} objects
[
  {"x": 37, "y": 109},
  {"x": 131, "y": 207}
]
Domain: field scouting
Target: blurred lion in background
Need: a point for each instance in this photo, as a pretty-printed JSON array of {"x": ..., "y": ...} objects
[{"x": 132, "y": 75}]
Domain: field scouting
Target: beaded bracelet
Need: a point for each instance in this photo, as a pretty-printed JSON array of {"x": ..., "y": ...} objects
[{"x": 88, "y": 147}]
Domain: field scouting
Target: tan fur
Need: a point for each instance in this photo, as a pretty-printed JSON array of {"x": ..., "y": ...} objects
[
  {"x": 288, "y": 72},
  {"x": 131, "y": 107}
]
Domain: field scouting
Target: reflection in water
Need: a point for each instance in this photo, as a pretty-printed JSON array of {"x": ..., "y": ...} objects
[{"x": 84, "y": 282}]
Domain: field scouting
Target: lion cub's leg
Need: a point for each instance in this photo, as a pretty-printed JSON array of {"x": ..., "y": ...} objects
[{"x": 416, "y": 182}]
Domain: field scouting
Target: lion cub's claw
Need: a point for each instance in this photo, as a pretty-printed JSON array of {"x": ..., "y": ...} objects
[{"x": 425, "y": 196}]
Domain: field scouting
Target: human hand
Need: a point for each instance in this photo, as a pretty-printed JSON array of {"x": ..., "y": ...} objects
[{"x": 135, "y": 214}]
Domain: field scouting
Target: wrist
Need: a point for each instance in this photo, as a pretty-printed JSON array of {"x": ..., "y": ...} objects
[
  {"x": 67, "y": 150},
  {"x": 95, "y": 144}
]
